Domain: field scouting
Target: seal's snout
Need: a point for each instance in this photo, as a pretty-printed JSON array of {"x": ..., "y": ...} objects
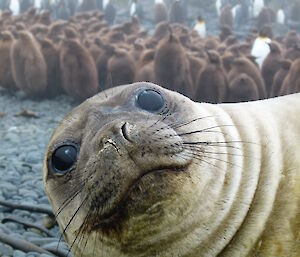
[{"x": 116, "y": 134}]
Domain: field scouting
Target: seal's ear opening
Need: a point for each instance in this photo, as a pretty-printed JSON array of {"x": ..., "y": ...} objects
[{"x": 150, "y": 100}]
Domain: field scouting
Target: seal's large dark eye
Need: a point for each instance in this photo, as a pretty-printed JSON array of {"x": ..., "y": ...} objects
[
  {"x": 64, "y": 158},
  {"x": 150, "y": 100}
]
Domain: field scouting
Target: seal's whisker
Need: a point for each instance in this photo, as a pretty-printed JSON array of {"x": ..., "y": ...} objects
[
  {"x": 74, "y": 194},
  {"x": 201, "y": 150},
  {"x": 70, "y": 221},
  {"x": 160, "y": 120},
  {"x": 200, "y": 131},
  {"x": 206, "y": 130},
  {"x": 95, "y": 237},
  {"x": 82, "y": 237},
  {"x": 214, "y": 144},
  {"x": 64, "y": 205},
  {"x": 197, "y": 157},
  {"x": 185, "y": 123},
  {"x": 81, "y": 229},
  {"x": 64, "y": 183},
  {"x": 173, "y": 125},
  {"x": 69, "y": 200},
  {"x": 213, "y": 158},
  {"x": 224, "y": 142},
  {"x": 218, "y": 159}
]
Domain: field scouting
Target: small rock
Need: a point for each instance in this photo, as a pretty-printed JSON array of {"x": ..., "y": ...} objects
[
  {"x": 27, "y": 114},
  {"x": 3, "y": 114},
  {"x": 5, "y": 250},
  {"x": 18, "y": 253},
  {"x": 42, "y": 241},
  {"x": 33, "y": 254}
]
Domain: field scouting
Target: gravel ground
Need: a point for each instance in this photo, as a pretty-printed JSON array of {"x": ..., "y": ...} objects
[{"x": 23, "y": 141}]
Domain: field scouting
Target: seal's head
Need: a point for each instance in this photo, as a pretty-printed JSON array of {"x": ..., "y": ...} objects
[{"x": 121, "y": 171}]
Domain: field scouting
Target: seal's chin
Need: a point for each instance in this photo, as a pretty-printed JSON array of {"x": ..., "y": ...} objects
[{"x": 150, "y": 188}]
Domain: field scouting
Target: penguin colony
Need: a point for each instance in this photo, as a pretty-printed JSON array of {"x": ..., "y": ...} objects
[{"x": 85, "y": 55}]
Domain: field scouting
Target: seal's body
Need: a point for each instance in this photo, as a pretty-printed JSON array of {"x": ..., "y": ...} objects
[{"x": 148, "y": 172}]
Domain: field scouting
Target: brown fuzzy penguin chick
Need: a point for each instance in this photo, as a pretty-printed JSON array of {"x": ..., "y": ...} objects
[
  {"x": 78, "y": 70},
  {"x": 39, "y": 30},
  {"x": 171, "y": 66},
  {"x": 226, "y": 16},
  {"x": 160, "y": 31},
  {"x": 120, "y": 69},
  {"x": 51, "y": 56},
  {"x": 242, "y": 89},
  {"x": 212, "y": 81},
  {"x": 6, "y": 78},
  {"x": 271, "y": 65},
  {"x": 291, "y": 83},
  {"x": 28, "y": 65},
  {"x": 56, "y": 29},
  {"x": 280, "y": 77},
  {"x": 244, "y": 65},
  {"x": 160, "y": 12},
  {"x": 145, "y": 69}
]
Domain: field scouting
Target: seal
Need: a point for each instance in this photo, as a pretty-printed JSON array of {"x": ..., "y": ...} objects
[{"x": 139, "y": 170}]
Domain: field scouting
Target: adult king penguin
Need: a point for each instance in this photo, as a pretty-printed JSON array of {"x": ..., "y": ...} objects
[
  {"x": 200, "y": 27},
  {"x": 260, "y": 48}
]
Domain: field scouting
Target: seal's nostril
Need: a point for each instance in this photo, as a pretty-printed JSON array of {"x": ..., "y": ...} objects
[{"x": 125, "y": 131}]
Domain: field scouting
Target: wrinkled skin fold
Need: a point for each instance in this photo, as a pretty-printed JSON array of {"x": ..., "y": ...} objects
[{"x": 192, "y": 179}]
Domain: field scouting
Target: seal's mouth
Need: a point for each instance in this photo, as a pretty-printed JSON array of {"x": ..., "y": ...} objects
[{"x": 114, "y": 216}]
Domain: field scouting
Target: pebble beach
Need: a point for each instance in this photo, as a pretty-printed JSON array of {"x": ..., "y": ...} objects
[{"x": 25, "y": 129}]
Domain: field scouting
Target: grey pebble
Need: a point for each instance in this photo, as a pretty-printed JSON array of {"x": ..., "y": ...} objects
[
  {"x": 5, "y": 250},
  {"x": 4, "y": 229},
  {"x": 33, "y": 254},
  {"x": 18, "y": 253},
  {"x": 30, "y": 234},
  {"x": 12, "y": 226},
  {"x": 43, "y": 241},
  {"x": 53, "y": 245},
  {"x": 23, "y": 143},
  {"x": 33, "y": 157}
]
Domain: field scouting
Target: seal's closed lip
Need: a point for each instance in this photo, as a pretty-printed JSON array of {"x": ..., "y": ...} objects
[{"x": 113, "y": 216}]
